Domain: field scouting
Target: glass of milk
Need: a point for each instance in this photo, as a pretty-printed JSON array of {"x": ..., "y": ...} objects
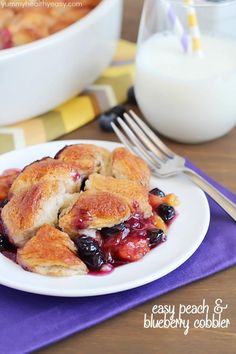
[{"x": 185, "y": 97}]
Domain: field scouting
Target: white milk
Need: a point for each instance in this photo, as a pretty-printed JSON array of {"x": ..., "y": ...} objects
[{"x": 184, "y": 97}]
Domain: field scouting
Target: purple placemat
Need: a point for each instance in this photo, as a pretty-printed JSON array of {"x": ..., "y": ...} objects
[{"x": 29, "y": 322}]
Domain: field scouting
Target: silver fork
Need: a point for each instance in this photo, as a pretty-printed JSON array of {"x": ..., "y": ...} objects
[{"x": 141, "y": 140}]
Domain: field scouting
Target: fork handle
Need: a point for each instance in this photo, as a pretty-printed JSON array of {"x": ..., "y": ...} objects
[{"x": 218, "y": 197}]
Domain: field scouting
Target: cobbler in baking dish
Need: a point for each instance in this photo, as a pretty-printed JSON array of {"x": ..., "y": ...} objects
[
  {"x": 86, "y": 210},
  {"x": 23, "y": 21}
]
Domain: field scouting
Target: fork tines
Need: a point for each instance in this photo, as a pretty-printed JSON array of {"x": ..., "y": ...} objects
[{"x": 141, "y": 140}]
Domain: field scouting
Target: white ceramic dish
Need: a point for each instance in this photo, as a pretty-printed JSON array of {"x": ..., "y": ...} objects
[
  {"x": 38, "y": 76},
  {"x": 185, "y": 235}
]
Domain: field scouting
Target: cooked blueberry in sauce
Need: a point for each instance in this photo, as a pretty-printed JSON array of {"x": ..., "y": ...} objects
[
  {"x": 157, "y": 191},
  {"x": 86, "y": 245},
  {"x": 3, "y": 202},
  {"x": 95, "y": 262},
  {"x": 155, "y": 236},
  {"x": 4, "y": 243},
  {"x": 89, "y": 251},
  {"x": 135, "y": 222},
  {"x": 111, "y": 231},
  {"x": 166, "y": 212}
]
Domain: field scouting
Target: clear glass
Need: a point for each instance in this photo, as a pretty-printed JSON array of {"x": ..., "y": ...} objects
[{"x": 187, "y": 97}]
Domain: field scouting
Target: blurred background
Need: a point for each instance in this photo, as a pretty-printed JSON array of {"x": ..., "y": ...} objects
[{"x": 130, "y": 19}]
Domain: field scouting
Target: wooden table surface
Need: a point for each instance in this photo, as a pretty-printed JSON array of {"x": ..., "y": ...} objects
[{"x": 125, "y": 333}]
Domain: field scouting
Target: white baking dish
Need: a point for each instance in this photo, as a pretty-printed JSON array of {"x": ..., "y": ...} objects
[{"x": 36, "y": 77}]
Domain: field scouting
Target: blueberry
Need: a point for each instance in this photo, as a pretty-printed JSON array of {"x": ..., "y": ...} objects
[
  {"x": 166, "y": 212},
  {"x": 95, "y": 262},
  {"x": 89, "y": 251},
  {"x": 86, "y": 245},
  {"x": 131, "y": 96},
  {"x": 118, "y": 111},
  {"x": 106, "y": 119},
  {"x": 4, "y": 243},
  {"x": 3, "y": 202},
  {"x": 157, "y": 191},
  {"x": 112, "y": 231},
  {"x": 155, "y": 236}
]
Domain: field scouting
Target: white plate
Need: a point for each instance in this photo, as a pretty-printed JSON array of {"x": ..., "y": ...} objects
[{"x": 184, "y": 237}]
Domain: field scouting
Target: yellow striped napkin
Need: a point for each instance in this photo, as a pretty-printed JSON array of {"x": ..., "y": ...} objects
[{"x": 109, "y": 90}]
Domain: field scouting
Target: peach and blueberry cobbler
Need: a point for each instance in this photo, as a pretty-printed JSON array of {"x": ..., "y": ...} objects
[
  {"x": 85, "y": 210},
  {"x": 23, "y": 22}
]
